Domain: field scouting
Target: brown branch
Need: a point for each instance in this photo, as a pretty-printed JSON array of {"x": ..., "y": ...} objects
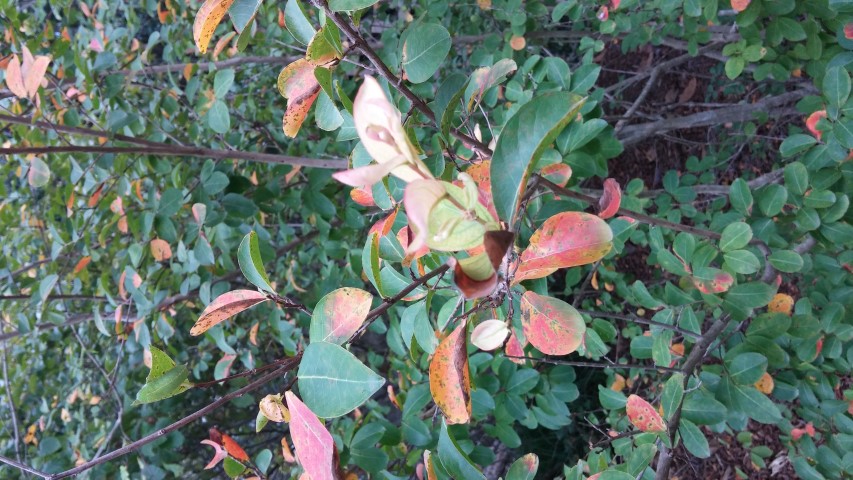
[
  {"x": 247, "y": 373},
  {"x": 11, "y": 401},
  {"x": 397, "y": 83},
  {"x": 294, "y": 361},
  {"x": 166, "y": 150},
  {"x": 22, "y": 467},
  {"x": 179, "y": 67},
  {"x": 555, "y": 361},
  {"x": 93, "y": 298}
]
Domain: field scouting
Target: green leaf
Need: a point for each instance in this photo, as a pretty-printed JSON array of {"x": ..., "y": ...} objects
[
  {"x": 796, "y": 178},
  {"x": 836, "y": 86},
  {"x": 843, "y": 131},
  {"x": 524, "y": 468},
  {"x": 747, "y": 368},
  {"x": 326, "y": 114},
  {"x": 215, "y": 182},
  {"x": 233, "y": 468},
  {"x": 160, "y": 364},
  {"x": 46, "y": 286},
  {"x": 242, "y": 12},
  {"x": 164, "y": 386},
  {"x": 740, "y": 196},
  {"x": 751, "y": 295},
  {"x": 796, "y": 144},
  {"x": 222, "y": 82},
  {"x": 694, "y": 440},
  {"x": 615, "y": 475},
  {"x": 349, "y": 5},
  {"x": 39, "y": 173},
  {"x": 702, "y": 409},
  {"x": 734, "y": 67},
  {"x": 447, "y": 99},
  {"x": 424, "y": 49},
  {"x": 748, "y": 400},
  {"x": 457, "y": 464},
  {"x": 742, "y": 261},
  {"x": 771, "y": 199},
  {"x": 249, "y": 258},
  {"x": 297, "y": 22},
  {"x": 170, "y": 202},
  {"x": 735, "y": 236},
  {"x": 333, "y": 382},
  {"x": 218, "y": 118},
  {"x": 673, "y": 393},
  {"x": 787, "y": 261},
  {"x": 526, "y": 135}
]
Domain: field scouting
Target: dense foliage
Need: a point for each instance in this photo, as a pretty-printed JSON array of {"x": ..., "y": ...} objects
[{"x": 360, "y": 238}]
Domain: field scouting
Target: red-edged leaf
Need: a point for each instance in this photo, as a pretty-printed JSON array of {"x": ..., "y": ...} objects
[
  {"x": 314, "y": 445},
  {"x": 218, "y": 455},
  {"x": 514, "y": 348},
  {"x": 712, "y": 280},
  {"x": 339, "y": 314},
  {"x": 404, "y": 236},
  {"x": 226, "y": 306},
  {"x": 567, "y": 239},
  {"x": 449, "y": 377},
  {"x": 610, "y": 199},
  {"x": 362, "y": 196},
  {"x": 299, "y": 86},
  {"x": 558, "y": 173},
  {"x": 603, "y": 13},
  {"x": 644, "y": 416},
  {"x": 552, "y": 326},
  {"x": 848, "y": 31},
  {"x": 489, "y": 334},
  {"x": 811, "y": 123}
]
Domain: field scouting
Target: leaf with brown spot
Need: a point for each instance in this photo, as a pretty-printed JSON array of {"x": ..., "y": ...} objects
[
  {"x": 567, "y": 239},
  {"x": 339, "y": 314},
  {"x": 226, "y": 306},
  {"x": 160, "y": 250},
  {"x": 449, "y": 377},
  {"x": 643, "y": 415},
  {"x": 765, "y": 384},
  {"x": 300, "y": 87},
  {"x": 524, "y": 468},
  {"x": 610, "y": 199},
  {"x": 206, "y": 21},
  {"x": 552, "y": 326},
  {"x": 273, "y": 408},
  {"x": 712, "y": 280}
]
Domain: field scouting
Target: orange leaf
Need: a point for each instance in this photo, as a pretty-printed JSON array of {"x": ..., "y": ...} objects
[
  {"x": 206, "y": 21},
  {"x": 82, "y": 264},
  {"x": 362, "y": 196},
  {"x": 383, "y": 226},
  {"x": 96, "y": 195},
  {"x": 234, "y": 449},
  {"x": 740, "y": 5},
  {"x": 122, "y": 291},
  {"x": 315, "y": 448},
  {"x": 449, "y": 377},
  {"x": 781, "y": 303},
  {"x": 610, "y": 199},
  {"x": 811, "y": 123},
  {"x": 517, "y": 42},
  {"x": 480, "y": 174},
  {"x": 299, "y": 86},
  {"x": 765, "y": 384},
  {"x": 226, "y": 306},
  {"x": 644, "y": 416},
  {"x": 552, "y": 326},
  {"x": 567, "y": 239},
  {"x": 222, "y": 43},
  {"x": 15, "y": 78},
  {"x": 160, "y": 250},
  {"x": 286, "y": 452}
]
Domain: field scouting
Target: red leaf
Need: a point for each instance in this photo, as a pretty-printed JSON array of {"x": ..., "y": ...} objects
[
  {"x": 514, "y": 348},
  {"x": 848, "y": 31},
  {"x": 313, "y": 443},
  {"x": 567, "y": 239},
  {"x": 603, "y": 13},
  {"x": 449, "y": 377},
  {"x": 299, "y": 86},
  {"x": 610, "y": 199},
  {"x": 552, "y": 326},
  {"x": 226, "y": 306},
  {"x": 644, "y": 416}
]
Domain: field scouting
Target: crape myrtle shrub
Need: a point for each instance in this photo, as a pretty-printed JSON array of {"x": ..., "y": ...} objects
[{"x": 359, "y": 238}]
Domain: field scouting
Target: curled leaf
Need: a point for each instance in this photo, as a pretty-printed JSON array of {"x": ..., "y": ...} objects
[
  {"x": 449, "y": 377},
  {"x": 489, "y": 335},
  {"x": 552, "y": 326},
  {"x": 610, "y": 199},
  {"x": 226, "y": 306},
  {"x": 474, "y": 276},
  {"x": 643, "y": 415},
  {"x": 206, "y": 21},
  {"x": 272, "y": 408},
  {"x": 218, "y": 455}
]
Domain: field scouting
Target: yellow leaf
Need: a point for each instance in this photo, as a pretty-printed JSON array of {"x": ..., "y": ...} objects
[
  {"x": 765, "y": 384},
  {"x": 781, "y": 303},
  {"x": 206, "y": 21}
]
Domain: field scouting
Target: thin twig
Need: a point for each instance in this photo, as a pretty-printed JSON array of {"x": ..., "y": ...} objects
[
  {"x": 12, "y": 408},
  {"x": 21, "y": 466},
  {"x": 555, "y": 361}
]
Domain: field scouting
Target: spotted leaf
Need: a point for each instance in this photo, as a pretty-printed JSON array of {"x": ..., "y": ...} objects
[
  {"x": 300, "y": 87},
  {"x": 643, "y": 415},
  {"x": 449, "y": 377},
  {"x": 226, "y": 306},
  {"x": 712, "y": 280},
  {"x": 206, "y": 21},
  {"x": 552, "y": 326},
  {"x": 339, "y": 314}
]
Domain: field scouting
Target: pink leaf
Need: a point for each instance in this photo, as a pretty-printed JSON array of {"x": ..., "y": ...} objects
[
  {"x": 226, "y": 306},
  {"x": 314, "y": 444},
  {"x": 363, "y": 177},
  {"x": 643, "y": 415},
  {"x": 514, "y": 348},
  {"x": 383, "y": 226},
  {"x": 419, "y": 198},
  {"x": 552, "y": 326},
  {"x": 610, "y": 199},
  {"x": 218, "y": 455},
  {"x": 567, "y": 239}
]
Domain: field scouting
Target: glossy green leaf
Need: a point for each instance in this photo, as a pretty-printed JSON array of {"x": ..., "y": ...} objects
[
  {"x": 523, "y": 139},
  {"x": 333, "y": 382},
  {"x": 796, "y": 178},
  {"x": 747, "y": 368},
  {"x": 453, "y": 459},
  {"x": 425, "y": 47},
  {"x": 742, "y": 261},
  {"x": 297, "y": 22},
  {"x": 787, "y": 261},
  {"x": 242, "y": 12},
  {"x": 693, "y": 438},
  {"x": 740, "y": 196},
  {"x": 249, "y": 258},
  {"x": 796, "y": 144},
  {"x": 836, "y": 86},
  {"x": 349, "y": 5},
  {"x": 751, "y": 295},
  {"x": 735, "y": 236},
  {"x": 771, "y": 199},
  {"x": 164, "y": 386},
  {"x": 673, "y": 393}
]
